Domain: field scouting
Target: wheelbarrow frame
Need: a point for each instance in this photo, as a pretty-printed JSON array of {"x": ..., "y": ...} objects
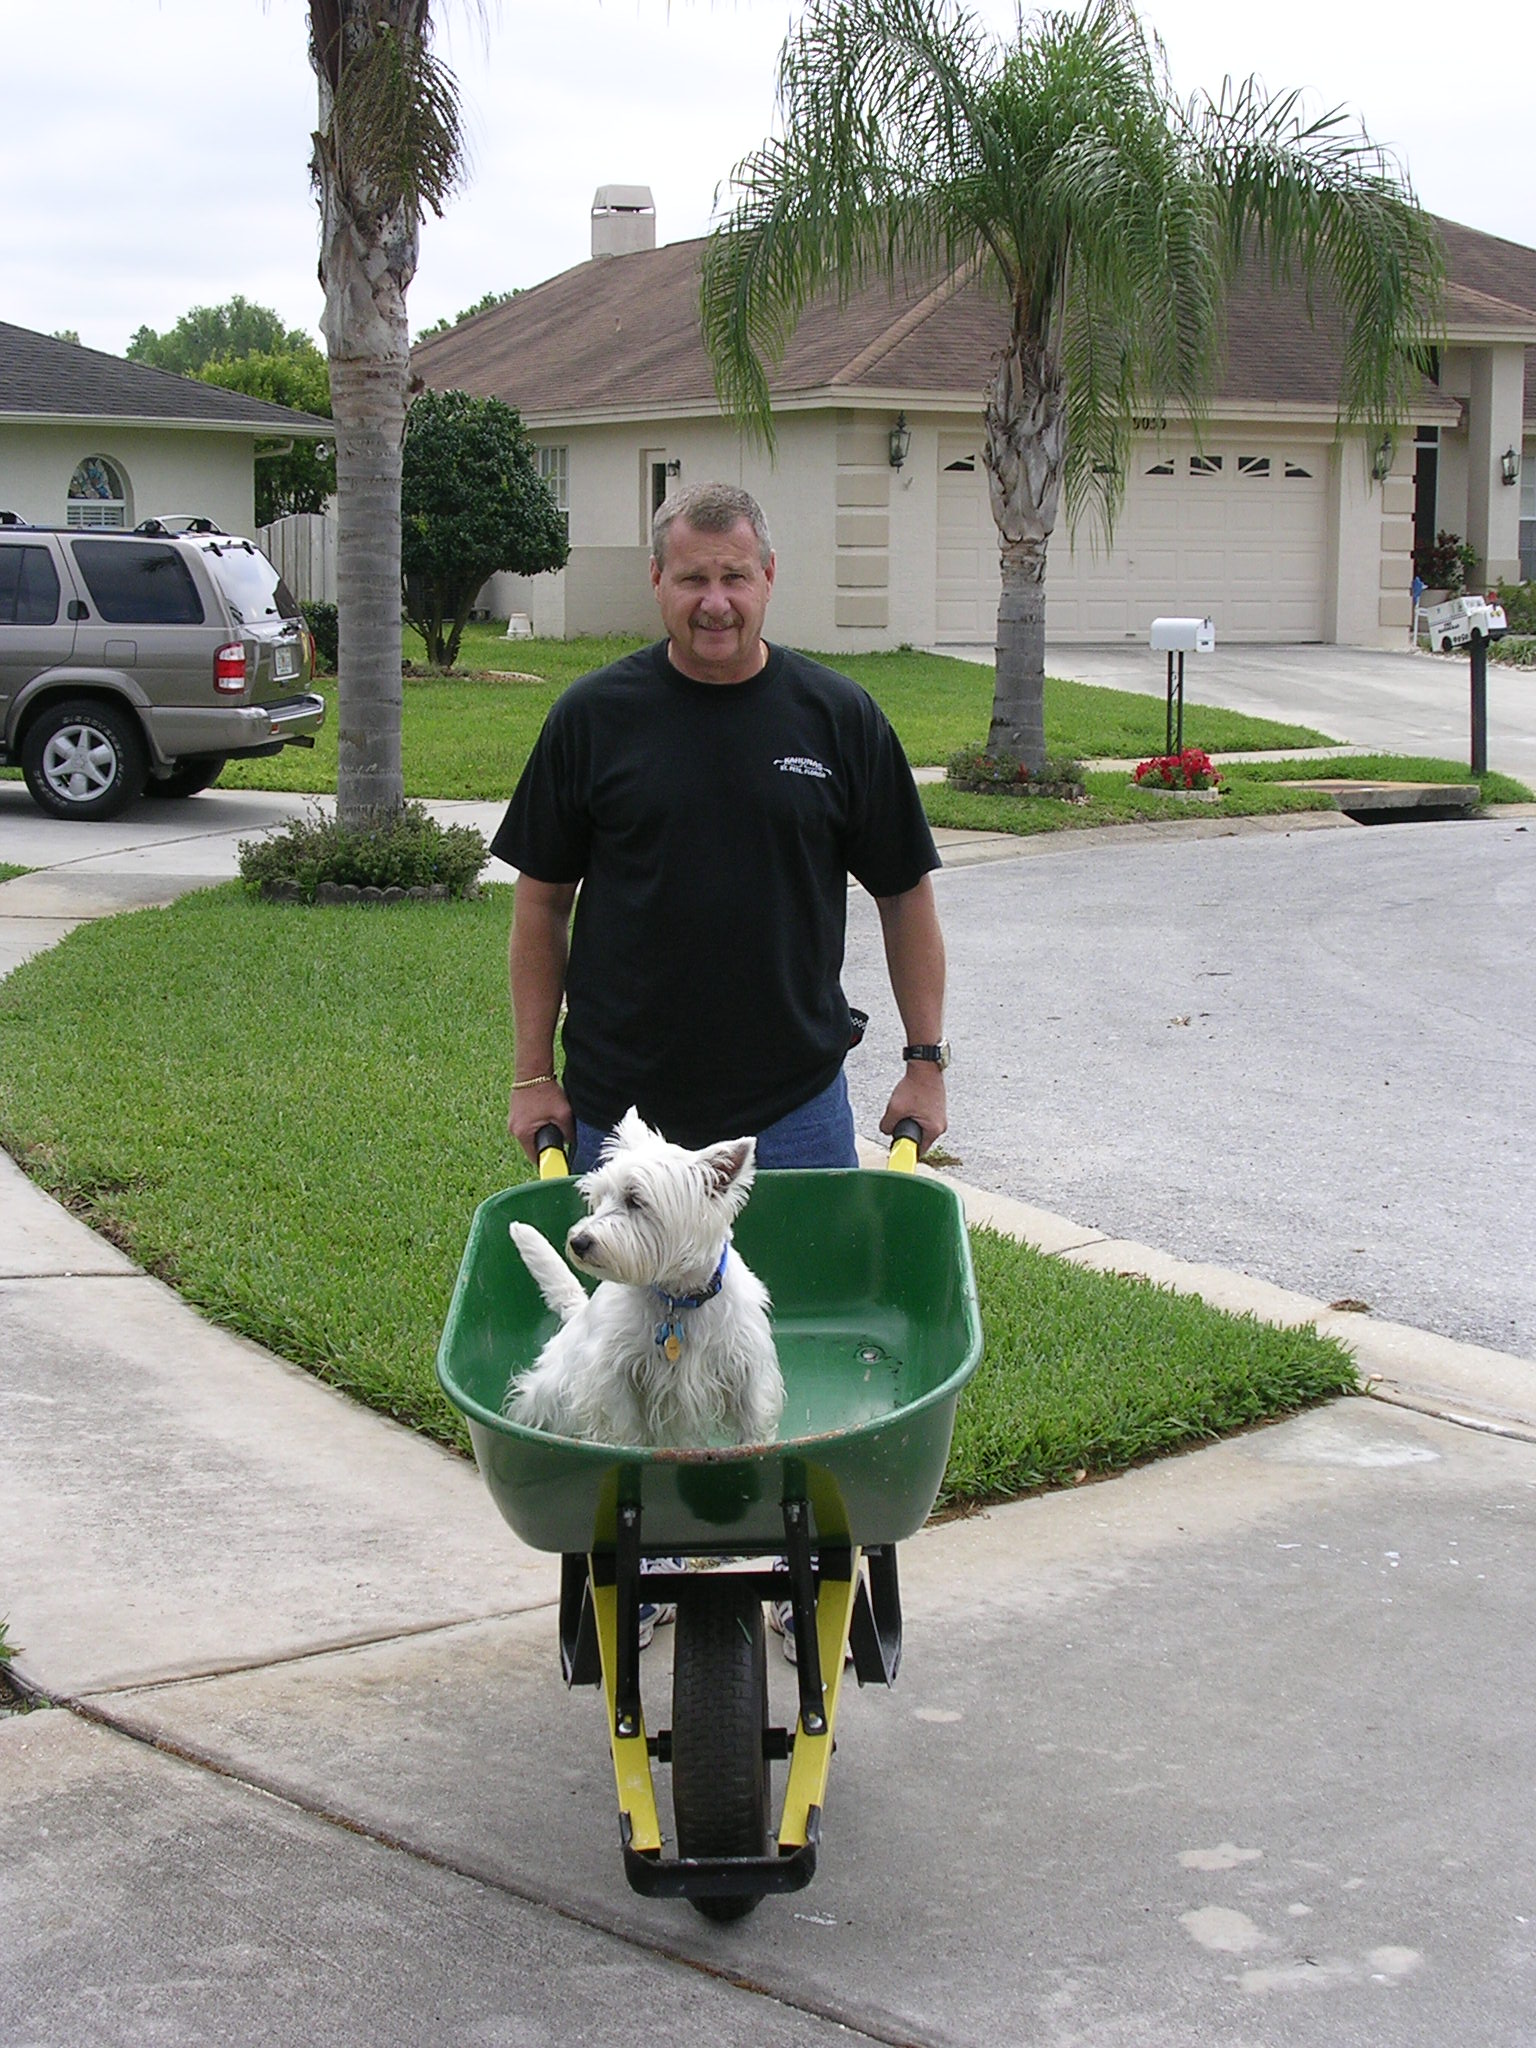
[{"x": 830, "y": 1506}]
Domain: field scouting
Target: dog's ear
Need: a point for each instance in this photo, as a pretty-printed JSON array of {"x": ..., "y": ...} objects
[
  {"x": 630, "y": 1130},
  {"x": 730, "y": 1168}
]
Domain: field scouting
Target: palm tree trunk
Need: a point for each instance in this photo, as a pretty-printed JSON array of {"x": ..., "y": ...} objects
[
  {"x": 368, "y": 400},
  {"x": 1025, "y": 452},
  {"x": 368, "y": 253}
]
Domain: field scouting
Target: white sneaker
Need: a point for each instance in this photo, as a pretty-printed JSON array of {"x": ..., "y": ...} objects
[
  {"x": 781, "y": 1619},
  {"x": 654, "y": 1615}
]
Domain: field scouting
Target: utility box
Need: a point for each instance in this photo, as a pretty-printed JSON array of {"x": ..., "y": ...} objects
[{"x": 1183, "y": 636}]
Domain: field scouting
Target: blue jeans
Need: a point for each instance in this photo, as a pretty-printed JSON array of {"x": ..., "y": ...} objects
[{"x": 818, "y": 1133}]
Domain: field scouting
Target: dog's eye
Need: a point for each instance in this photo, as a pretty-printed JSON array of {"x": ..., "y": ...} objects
[{"x": 632, "y": 1200}]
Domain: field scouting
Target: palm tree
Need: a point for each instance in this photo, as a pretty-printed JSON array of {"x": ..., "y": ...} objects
[
  {"x": 1056, "y": 168},
  {"x": 388, "y": 143}
]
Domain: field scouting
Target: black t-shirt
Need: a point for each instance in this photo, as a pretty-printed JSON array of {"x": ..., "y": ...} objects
[{"x": 713, "y": 827}]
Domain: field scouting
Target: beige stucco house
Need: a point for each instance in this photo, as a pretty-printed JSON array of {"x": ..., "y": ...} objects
[
  {"x": 91, "y": 440},
  {"x": 1278, "y": 523}
]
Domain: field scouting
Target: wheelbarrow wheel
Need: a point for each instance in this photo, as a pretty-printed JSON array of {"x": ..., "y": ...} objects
[{"x": 719, "y": 1713}]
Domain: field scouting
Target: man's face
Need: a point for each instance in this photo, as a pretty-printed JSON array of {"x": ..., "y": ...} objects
[{"x": 713, "y": 593}]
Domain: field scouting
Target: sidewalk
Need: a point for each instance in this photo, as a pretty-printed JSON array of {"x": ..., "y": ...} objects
[{"x": 1230, "y": 1750}]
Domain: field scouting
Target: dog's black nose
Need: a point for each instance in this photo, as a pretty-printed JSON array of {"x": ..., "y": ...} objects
[{"x": 579, "y": 1243}]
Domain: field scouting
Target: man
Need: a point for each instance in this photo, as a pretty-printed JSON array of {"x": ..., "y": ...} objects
[{"x": 710, "y": 795}]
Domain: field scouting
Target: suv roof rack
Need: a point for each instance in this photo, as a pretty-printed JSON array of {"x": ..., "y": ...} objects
[{"x": 168, "y": 524}]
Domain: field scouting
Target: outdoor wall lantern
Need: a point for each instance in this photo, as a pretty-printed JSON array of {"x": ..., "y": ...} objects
[
  {"x": 1381, "y": 461},
  {"x": 901, "y": 441},
  {"x": 1509, "y": 465},
  {"x": 674, "y": 467}
]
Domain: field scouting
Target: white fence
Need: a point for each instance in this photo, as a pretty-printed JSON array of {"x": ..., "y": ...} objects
[{"x": 303, "y": 548}]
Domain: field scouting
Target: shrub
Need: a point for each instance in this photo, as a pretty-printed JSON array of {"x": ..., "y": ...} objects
[
  {"x": 988, "y": 771},
  {"x": 322, "y": 623},
  {"x": 1447, "y": 564},
  {"x": 1519, "y": 602},
  {"x": 1517, "y": 651},
  {"x": 407, "y": 850}
]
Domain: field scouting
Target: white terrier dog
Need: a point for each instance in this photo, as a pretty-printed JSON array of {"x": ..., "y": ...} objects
[{"x": 674, "y": 1347}]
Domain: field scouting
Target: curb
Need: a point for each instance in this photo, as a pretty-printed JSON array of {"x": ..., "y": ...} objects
[{"x": 1400, "y": 1365}]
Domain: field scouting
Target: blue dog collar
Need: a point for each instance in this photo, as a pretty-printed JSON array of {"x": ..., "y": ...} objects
[{"x": 669, "y": 1332}]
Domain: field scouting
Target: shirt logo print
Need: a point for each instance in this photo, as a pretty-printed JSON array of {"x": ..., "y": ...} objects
[{"x": 803, "y": 764}]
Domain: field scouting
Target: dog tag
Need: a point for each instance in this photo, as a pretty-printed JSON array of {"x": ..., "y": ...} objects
[{"x": 672, "y": 1348}]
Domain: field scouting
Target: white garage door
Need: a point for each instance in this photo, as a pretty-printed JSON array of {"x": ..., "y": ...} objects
[{"x": 1237, "y": 531}]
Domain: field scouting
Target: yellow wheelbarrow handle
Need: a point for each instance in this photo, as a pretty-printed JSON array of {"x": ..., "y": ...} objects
[
  {"x": 549, "y": 1144},
  {"x": 904, "y": 1143}
]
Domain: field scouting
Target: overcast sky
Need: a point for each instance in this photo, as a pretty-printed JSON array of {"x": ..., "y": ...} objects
[{"x": 155, "y": 152}]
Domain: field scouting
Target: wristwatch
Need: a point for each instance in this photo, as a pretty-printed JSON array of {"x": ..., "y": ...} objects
[{"x": 938, "y": 1054}]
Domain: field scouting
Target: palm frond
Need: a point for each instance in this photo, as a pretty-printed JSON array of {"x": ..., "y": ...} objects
[
  {"x": 1327, "y": 211},
  {"x": 877, "y": 102},
  {"x": 395, "y": 133}
]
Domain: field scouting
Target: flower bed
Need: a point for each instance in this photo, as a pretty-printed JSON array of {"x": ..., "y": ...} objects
[{"x": 1191, "y": 770}]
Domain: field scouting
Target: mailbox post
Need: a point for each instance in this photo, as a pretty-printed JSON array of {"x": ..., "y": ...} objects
[
  {"x": 1180, "y": 637},
  {"x": 1478, "y": 655}
]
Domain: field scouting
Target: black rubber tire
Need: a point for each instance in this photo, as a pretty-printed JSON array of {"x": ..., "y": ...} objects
[
  {"x": 194, "y": 772},
  {"x": 106, "y": 741},
  {"x": 719, "y": 1712}
]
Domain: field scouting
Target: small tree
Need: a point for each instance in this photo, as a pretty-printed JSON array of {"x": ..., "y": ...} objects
[
  {"x": 241, "y": 346},
  {"x": 238, "y": 328},
  {"x": 471, "y": 503},
  {"x": 295, "y": 375}
]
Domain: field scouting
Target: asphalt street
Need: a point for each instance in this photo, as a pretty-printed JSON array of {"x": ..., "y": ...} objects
[{"x": 1307, "y": 1054}]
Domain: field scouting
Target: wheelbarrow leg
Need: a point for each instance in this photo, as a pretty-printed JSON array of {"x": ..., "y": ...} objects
[
  {"x": 802, "y": 1596},
  {"x": 811, "y": 1757},
  {"x": 626, "y": 1705},
  {"x": 639, "y": 1824}
]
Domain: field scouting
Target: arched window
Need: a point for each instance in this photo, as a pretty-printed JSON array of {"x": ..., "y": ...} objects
[{"x": 98, "y": 494}]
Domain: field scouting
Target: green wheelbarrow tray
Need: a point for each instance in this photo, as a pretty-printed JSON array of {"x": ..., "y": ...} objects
[{"x": 877, "y": 1326}]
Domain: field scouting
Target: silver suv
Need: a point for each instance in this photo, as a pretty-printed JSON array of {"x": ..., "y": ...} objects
[{"x": 139, "y": 663}]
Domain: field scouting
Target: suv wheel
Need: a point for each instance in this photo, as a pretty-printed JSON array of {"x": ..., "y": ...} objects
[
  {"x": 189, "y": 775},
  {"x": 84, "y": 759}
]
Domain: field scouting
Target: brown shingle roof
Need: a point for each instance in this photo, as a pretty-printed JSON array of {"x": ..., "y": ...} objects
[
  {"x": 40, "y": 375},
  {"x": 621, "y": 334}
]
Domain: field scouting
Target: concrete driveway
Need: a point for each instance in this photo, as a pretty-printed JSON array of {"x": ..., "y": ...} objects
[{"x": 1399, "y": 703}]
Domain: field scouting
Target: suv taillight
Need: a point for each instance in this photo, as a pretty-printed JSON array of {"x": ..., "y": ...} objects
[{"x": 229, "y": 669}]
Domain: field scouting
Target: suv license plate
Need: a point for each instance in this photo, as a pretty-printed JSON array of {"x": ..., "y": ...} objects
[{"x": 285, "y": 661}]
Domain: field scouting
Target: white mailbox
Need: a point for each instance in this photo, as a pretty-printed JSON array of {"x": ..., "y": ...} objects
[{"x": 1183, "y": 636}]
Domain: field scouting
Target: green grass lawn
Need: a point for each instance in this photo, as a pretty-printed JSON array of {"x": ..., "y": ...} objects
[
  {"x": 8, "y": 871},
  {"x": 469, "y": 736},
  {"x": 290, "y": 1115}
]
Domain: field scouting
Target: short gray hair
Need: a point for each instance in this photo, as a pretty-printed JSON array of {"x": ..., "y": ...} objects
[{"x": 708, "y": 508}]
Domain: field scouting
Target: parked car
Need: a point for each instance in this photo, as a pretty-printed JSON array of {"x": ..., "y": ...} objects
[
  {"x": 139, "y": 663},
  {"x": 1461, "y": 619}
]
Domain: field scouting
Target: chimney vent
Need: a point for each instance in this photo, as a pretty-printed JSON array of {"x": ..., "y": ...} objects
[{"x": 623, "y": 220}]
